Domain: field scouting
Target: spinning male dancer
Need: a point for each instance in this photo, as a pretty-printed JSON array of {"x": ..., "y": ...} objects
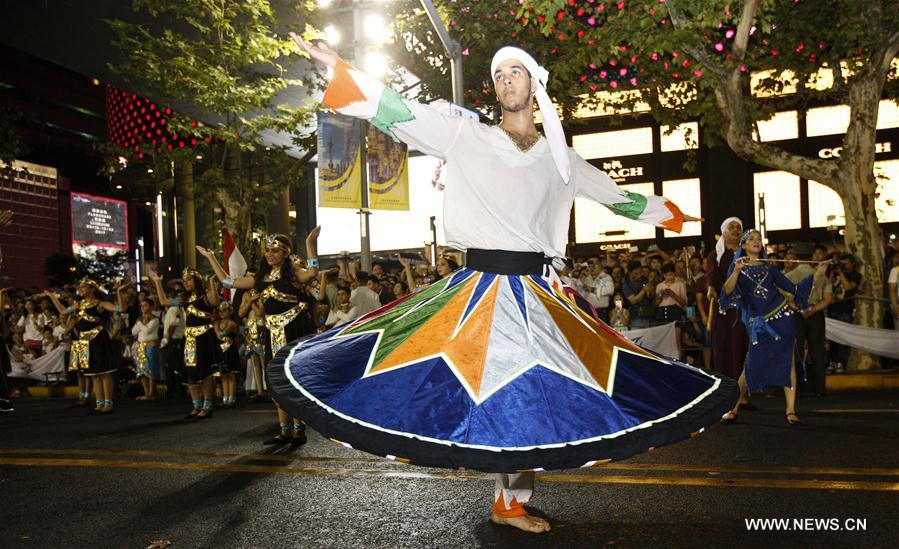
[{"x": 508, "y": 199}]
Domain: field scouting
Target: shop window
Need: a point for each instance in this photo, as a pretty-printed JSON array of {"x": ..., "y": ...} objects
[
  {"x": 593, "y": 221},
  {"x": 887, "y": 202},
  {"x": 684, "y": 193},
  {"x": 611, "y": 103},
  {"x": 888, "y": 115},
  {"x": 825, "y": 208},
  {"x": 775, "y": 84},
  {"x": 613, "y": 144},
  {"x": 782, "y": 205},
  {"x": 783, "y": 125},
  {"x": 827, "y": 120},
  {"x": 683, "y": 137}
]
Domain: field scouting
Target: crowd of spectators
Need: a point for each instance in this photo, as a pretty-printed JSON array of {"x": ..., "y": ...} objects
[{"x": 628, "y": 289}]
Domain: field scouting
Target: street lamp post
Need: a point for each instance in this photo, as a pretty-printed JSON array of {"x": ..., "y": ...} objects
[
  {"x": 451, "y": 49},
  {"x": 453, "y": 52},
  {"x": 364, "y": 212}
]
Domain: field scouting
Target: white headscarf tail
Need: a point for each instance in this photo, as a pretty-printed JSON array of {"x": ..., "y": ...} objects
[
  {"x": 719, "y": 246},
  {"x": 552, "y": 126}
]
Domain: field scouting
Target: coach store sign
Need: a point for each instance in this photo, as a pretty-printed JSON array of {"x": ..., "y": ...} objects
[
  {"x": 834, "y": 152},
  {"x": 619, "y": 172}
]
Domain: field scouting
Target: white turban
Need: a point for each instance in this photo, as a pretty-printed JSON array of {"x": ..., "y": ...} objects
[
  {"x": 719, "y": 246},
  {"x": 552, "y": 126}
]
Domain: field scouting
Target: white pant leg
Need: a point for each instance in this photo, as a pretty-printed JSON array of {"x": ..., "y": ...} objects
[{"x": 513, "y": 486}]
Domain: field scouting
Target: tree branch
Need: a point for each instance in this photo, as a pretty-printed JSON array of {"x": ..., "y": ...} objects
[
  {"x": 731, "y": 101},
  {"x": 890, "y": 51},
  {"x": 704, "y": 59},
  {"x": 741, "y": 39},
  {"x": 839, "y": 82}
]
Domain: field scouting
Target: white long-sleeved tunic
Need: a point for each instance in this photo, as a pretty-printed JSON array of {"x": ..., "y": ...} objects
[{"x": 497, "y": 197}]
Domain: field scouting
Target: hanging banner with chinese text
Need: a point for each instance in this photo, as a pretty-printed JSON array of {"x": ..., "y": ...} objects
[
  {"x": 388, "y": 172},
  {"x": 339, "y": 161}
]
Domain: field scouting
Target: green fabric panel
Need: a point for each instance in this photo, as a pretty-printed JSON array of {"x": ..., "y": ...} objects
[
  {"x": 391, "y": 111},
  {"x": 397, "y": 332},
  {"x": 633, "y": 209}
]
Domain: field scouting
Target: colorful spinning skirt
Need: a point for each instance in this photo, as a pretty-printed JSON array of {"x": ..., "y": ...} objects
[{"x": 497, "y": 373}]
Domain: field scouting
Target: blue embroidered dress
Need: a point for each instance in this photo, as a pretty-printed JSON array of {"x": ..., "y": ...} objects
[{"x": 769, "y": 319}]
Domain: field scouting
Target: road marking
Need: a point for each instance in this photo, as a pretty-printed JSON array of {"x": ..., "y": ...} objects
[
  {"x": 381, "y": 473},
  {"x": 171, "y": 453},
  {"x": 649, "y": 467},
  {"x": 858, "y": 411}
]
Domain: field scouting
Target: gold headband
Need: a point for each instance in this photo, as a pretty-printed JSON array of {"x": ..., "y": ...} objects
[
  {"x": 89, "y": 282},
  {"x": 271, "y": 241},
  {"x": 191, "y": 272}
]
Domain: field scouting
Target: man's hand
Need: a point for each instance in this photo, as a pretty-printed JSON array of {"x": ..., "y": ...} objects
[
  {"x": 319, "y": 53},
  {"x": 821, "y": 271}
]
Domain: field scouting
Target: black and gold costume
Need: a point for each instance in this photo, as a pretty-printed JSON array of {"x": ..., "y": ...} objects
[
  {"x": 91, "y": 352},
  {"x": 229, "y": 359},
  {"x": 201, "y": 346},
  {"x": 287, "y": 315}
]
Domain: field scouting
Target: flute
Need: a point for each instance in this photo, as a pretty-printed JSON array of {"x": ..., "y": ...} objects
[{"x": 766, "y": 260}]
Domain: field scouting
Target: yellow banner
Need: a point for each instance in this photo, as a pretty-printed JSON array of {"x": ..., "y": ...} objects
[
  {"x": 388, "y": 172},
  {"x": 339, "y": 162}
]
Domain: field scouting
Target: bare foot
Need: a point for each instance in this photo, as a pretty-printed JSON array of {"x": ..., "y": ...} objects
[{"x": 528, "y": 523}]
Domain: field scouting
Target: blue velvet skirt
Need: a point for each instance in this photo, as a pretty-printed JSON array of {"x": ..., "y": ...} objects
[
  {"x": 771, "y": 356},
  {"x": 498, "y": 373}
]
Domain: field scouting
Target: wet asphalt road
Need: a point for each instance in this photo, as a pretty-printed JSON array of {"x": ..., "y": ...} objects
[{"x": 144, "y": 474}]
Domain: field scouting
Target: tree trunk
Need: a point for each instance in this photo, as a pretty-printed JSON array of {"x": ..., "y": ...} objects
[
  {"x": 184, "y": 186},
  {"x": 857, "y": 188}
]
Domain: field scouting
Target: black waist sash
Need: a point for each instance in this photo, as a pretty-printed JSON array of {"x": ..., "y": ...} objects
[{"x": 504, "y": 262}]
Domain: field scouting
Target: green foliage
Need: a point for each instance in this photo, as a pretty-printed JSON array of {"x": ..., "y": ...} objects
[
  {"x": 639, "y": 36},
  {"x": 227, "y": 61},
  {"x": 11, "y": 146},
  {"x": 105, "y": 267}
]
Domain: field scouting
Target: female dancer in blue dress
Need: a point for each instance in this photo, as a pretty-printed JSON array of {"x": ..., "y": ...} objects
[{"x": 758, "y": 289}]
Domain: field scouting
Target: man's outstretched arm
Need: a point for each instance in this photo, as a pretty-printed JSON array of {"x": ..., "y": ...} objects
[
  {"x": 354, "y": 93},
  {"x": 596, "y": 184}
]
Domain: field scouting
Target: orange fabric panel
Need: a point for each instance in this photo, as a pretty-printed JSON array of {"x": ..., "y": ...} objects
[
  {"x": 676, "y": 223},
  {"x": 467, "y": 351},
  {"x": 513, "y": 509},
  {"x": 342, "y": 90}
]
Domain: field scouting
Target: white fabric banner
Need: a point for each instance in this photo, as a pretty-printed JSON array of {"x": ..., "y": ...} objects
[
  {"x": 873, "y": 340},
  {"x": 53, "y": 363},
  {"x": 660, "y": 339}
]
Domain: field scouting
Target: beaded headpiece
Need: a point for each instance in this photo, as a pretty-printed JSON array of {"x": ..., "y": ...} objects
[
  {"x": 274, "y": 241},
  {"x": 191, "y": 272},
  {"x": 88, "y": 281}
]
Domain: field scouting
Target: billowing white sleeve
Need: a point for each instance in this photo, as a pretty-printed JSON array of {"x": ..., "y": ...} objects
[
  {"x": 595, "y": 184},
  {"x": 354, "y": 93}
]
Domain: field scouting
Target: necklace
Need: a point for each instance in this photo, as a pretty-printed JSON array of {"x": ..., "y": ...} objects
[{"x": 523, "y": 144}]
